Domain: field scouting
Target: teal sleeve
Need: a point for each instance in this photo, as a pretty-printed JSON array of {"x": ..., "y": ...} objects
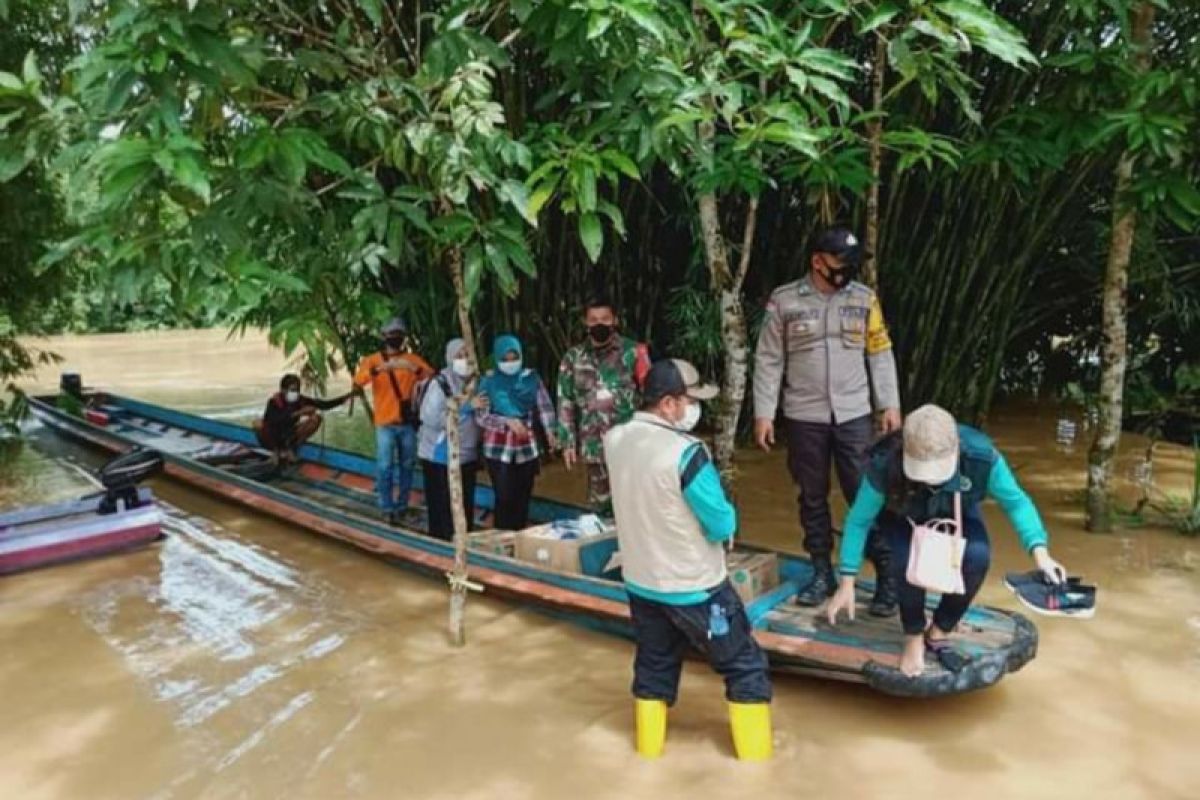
[
  {"x": 867, "y": 505},
  {"x": 705, "y": 496},
  {"x": 1017, "y": 505}
]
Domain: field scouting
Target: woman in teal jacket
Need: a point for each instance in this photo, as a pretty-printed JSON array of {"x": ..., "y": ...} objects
[{"x": 912, "y": 477}]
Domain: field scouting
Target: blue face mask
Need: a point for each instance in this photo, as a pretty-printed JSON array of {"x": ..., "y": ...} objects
[{"x": 511, "y": 367}]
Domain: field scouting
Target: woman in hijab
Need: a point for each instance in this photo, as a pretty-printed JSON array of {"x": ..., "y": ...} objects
[
  {"x": 432, "y": 448},
  {"x": 517, "y": 401}
]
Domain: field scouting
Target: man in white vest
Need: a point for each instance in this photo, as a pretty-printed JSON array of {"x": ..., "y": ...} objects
[{"x": 673, "y": 520}]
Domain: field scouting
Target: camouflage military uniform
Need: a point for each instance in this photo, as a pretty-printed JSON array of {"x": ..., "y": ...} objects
[{"x": 597, "y": 389}]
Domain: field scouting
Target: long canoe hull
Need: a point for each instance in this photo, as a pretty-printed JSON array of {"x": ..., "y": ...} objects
[{"x": 330, "y": 495}]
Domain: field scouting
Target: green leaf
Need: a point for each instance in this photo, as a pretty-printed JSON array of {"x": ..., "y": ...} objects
[
  {"x": 516, "y": 195},
  {"x": 116, "y": 189},
  {"x": 623, "y": 163},
  {"x": 188, "y": 172},
  {"x": 831, "y": 91},
  {"x": 10, "y": 81},
  {"x": 519, "y": 256},
  {"x": 597, "y": 25},
  {"x": 646, "y": 20},
  {"x": 29, "y": 69},
  {"x": 288, "y": 161},
  {"x": 14, "y": 157},
  {"x": 800, "y": 139},
  {"x": 882, "y": 15},
  {"x": 415, "y": 215},
  {"x": 374, "y": 10},
  {"x": 591, "y": 233},
  {"x": 118, "y": 91},
  {"x": 586, "y": 187},
  {"x": 541, "y": 196},
  {"x": 220, "y": 55}
]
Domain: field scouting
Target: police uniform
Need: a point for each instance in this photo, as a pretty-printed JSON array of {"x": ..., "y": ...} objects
[{"x": 824, "y": 354}]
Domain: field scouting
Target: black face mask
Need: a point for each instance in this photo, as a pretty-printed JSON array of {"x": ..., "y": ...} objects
[
  {"x": 839, "y": 277},
  {"x": 394, "y": 343},
  {"x": 600, "y": 333}
]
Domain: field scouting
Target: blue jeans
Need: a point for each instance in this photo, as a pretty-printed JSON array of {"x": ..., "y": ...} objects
[
  {"x": 952, "y": 607},
  {"x": 395, "y": 459},
  {"x": 663, "y": 633}
]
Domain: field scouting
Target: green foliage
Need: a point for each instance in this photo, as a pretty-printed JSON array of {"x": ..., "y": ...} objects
[{"x": 307, "y": 167}]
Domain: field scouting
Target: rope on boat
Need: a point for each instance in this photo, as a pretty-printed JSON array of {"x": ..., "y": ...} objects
[{"x": 462, "y": 583}]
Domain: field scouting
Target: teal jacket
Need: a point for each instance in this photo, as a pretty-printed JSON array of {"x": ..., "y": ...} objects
[{"x": 982, "y": 472}]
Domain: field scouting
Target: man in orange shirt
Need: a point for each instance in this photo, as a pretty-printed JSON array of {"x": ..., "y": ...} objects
[{"x": 393, "y": 374}]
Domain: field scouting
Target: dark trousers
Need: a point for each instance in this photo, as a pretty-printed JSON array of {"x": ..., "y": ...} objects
[
  {"x": 663, "y": 633},
  {"x": 513, "y": 484},
  {"x": 810, "y": 447},
  {"x": 950, "y": 610},
  {"x": 437, "y": 497}
]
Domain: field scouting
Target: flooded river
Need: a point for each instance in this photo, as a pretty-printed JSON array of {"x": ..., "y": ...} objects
[{"x": 245, "y": 658}]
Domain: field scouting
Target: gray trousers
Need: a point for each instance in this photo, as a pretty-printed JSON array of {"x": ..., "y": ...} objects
[{"x": 811, "y": 446}]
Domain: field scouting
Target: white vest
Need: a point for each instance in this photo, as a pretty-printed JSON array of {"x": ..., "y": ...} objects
[{"x": 662, "y": 543}]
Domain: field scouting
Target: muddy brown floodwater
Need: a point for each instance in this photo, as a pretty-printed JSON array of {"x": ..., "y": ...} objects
[{"x": 245, "y": 658}]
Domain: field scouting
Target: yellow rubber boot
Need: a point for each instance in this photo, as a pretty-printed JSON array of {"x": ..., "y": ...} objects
[
  {"x": 651, "y": 719},
  {"x": 751, "y": 726}
]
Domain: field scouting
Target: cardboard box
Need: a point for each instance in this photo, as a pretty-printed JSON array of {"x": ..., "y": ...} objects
[
  {"x": 584, "y": 555},
  {"x": 498, "y": 542},
  {"x": 753, "y": 574}
]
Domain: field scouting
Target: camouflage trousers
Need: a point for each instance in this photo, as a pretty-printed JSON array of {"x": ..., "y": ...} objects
[{"x": 599, "y": 491}]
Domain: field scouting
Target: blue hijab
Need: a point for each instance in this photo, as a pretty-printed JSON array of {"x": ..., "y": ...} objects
[{"x": 510, "y": 395}]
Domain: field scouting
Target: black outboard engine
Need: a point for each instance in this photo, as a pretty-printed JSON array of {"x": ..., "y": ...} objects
[
  {"x": 121, "y": 476},
  {"x": 71, "y": 383}
]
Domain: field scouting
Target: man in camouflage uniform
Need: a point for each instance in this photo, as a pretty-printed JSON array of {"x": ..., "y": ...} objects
[
  {"x": 821, "y": 335},
  {"x": 598, "y": 388}
]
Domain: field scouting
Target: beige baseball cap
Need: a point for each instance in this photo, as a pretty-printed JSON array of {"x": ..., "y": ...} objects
[
  {"x": 674, "y": 376},
  {"x": 930, "y": 445}
]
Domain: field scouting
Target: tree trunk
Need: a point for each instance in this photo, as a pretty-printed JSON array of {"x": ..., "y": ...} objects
[
  {"x": 458, "y": 577},
  {"x": 1113, "y": 355},
  {"x": 870, "y": 270}
]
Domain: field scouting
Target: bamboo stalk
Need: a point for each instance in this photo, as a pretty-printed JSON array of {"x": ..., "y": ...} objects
[{"x": 870, "y": 274}]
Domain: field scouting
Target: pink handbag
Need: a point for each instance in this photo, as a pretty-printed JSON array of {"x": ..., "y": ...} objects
[{"x": 936, "y": 554}]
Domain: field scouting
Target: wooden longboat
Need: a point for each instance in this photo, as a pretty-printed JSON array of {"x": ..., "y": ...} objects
[{"x": 330, "y": 492}]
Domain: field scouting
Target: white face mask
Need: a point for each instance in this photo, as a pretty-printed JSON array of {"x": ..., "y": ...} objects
[
  {"x": 292, "y": 396},
  {"x": 461, "y": 367},
  {"x": 691, "y": 417},
  {"x": 510, "y": 367}
]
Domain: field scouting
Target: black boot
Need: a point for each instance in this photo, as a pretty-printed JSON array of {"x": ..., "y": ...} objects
[
  {"x": 822, "y": 585},
  {"x": 883, "y": 602}
]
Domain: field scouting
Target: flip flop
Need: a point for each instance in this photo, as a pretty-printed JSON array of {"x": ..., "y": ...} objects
[{"x": 943, "y": 650}]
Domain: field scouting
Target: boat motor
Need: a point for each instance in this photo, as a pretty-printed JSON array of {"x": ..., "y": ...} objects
[
  {"x": 121, "y": 476},
  {"x": 71, "y": 383}
]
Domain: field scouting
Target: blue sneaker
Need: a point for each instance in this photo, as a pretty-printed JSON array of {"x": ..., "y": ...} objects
[{"x": 1041, "y": 596}]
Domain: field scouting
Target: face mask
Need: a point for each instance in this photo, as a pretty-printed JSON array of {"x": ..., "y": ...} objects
[
  {"x": 600, "y": 333},
  {"x": 510, "y": 367},
  {"x": 393, "y": 342},
  {"x": 461, "y": 367},
  {"x": 839, "y": 277},
  {"x": 691, "y": 417},
  {"x": 291, "y": 396}
]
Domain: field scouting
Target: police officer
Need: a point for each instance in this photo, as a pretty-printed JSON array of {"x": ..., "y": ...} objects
[{"x": 821, "y": 336}]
